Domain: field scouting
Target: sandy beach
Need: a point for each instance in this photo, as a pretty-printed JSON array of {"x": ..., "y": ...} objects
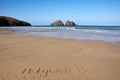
[{"x": 25, "y": 57}]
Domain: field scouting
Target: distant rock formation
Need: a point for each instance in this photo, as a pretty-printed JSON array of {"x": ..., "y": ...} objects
[
  {"x": 70, "y": 23},
  {"x": 8, "y": 21},
  {"x": 58, "y": 23}
]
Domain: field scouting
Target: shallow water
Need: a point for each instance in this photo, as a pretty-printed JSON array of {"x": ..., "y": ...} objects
[{"x": 105, "y": 33}]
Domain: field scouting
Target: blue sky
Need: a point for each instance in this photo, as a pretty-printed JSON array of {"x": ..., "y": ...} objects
[{"x": 83, "y": 12}]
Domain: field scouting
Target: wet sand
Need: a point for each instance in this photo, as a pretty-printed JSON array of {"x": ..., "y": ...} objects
[{"x": 25, "y": 57}]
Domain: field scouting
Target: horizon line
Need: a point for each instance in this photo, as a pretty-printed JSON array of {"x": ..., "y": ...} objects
[{"x": 79, "y": 25}]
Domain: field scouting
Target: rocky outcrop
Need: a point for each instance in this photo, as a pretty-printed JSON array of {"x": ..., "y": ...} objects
[
  {"x": 58, "y": 23},
  {"x": 70, "y": 23},
  {"x": 8, "y": 21}
]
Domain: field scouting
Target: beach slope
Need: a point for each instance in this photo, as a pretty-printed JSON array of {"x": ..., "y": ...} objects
[{"x": 33, "y": 58}]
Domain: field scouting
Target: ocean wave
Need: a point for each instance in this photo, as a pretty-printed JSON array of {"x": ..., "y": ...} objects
[{"x": 70, "y": 33}]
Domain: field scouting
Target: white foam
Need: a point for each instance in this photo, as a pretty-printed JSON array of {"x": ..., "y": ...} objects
[{"x": 70, "y": 33}]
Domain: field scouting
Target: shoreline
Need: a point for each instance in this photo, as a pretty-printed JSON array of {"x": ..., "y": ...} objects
[
  {"x": 26, "y": 57},
  {"x": 13, "y": 33},
  {"x": 108, "y": 34}
]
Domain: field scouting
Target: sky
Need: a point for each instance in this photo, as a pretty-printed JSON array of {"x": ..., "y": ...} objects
[{"x": 44, "y": 12}]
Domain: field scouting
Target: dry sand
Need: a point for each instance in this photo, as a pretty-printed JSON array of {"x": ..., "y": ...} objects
[{"x": 32, "y": 58}]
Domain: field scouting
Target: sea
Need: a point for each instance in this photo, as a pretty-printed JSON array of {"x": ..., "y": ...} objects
[{"x": 82, "y": 32}]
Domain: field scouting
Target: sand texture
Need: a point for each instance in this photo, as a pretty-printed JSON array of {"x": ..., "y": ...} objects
[{"x": 25, "y": 57}]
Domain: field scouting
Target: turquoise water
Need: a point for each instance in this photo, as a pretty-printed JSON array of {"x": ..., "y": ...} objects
[{"x": 104, "y": 33}]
